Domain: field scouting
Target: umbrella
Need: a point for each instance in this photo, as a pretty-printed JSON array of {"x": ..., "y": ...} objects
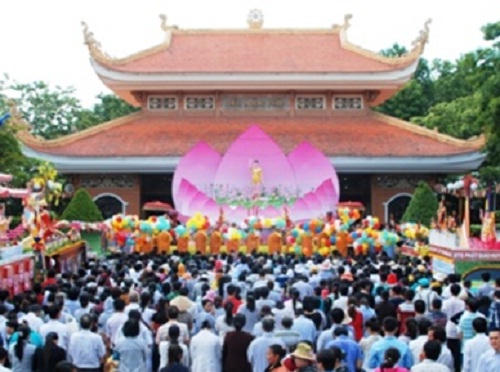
[{"x": 158, "y": 206}]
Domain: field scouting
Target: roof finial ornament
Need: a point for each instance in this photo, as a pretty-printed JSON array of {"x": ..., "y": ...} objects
[
  {"x": 344, "y": 26},
  {"x": 166, "y": 28},
  {"x": 16, "y": 118},
  {"x": 423, "y": 37},
  {"x": 255, "y": 19},
  {"x": 93, "y": 45}
]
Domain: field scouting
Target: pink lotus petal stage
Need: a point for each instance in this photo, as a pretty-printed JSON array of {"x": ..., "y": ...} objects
[{"x": 304, "y": 181}]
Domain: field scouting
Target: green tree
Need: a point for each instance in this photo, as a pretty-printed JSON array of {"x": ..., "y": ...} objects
[
  {"x": 82, "y": 208},
  {"x": 416, "y": 97},
  {"x": 423, "y": 205},
  {"x": 51, "y": 112},
  {"x": 107, "y": 108}
]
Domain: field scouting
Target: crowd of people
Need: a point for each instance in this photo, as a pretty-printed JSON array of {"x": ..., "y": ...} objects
[{"x": 252, "y": 313}]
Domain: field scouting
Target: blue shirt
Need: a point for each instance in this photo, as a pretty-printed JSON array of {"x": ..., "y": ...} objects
[
  {"x": 305, "y": 327},
  {"x": 35, "y": 339},
  {"x": 351, "y": 349},
  {"x": 376, "y": 357},
  {"x": 256, "y": 352}
]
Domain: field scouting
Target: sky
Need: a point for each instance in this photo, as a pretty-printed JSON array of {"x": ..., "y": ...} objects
[{"x": 43, "y": 40}]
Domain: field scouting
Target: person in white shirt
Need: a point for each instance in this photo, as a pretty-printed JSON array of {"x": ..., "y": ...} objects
[
  {"x": 417, "y": 345},
  {"x": 133, "y": 302},
  {"x": 115, "y": 321},
  {"x": 429, "y": 357},
  {"x": 437, "y": 333},
  {"x": 86, "y": 349},
  {"x": 173, "y": 339},
  {"x": 341, "y": 302},
  {"x": 33, "y": 318},
  {"x": 476, "y": 346},
  {"x": 162, "y": 333},
  {"x": 206, "y": 350},
  {"x": 451, "y": 307},
  {"x": 54, "y": 325}
]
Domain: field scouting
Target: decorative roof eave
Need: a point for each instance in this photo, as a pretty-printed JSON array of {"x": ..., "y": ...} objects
[
  {"x": 100, "y": 56},
  {"x": 378, "y": 80},
  {"x": 473, "y": 143},
  {"x": 418, "y": 45},
  {"x": 28, "y": 139},
  {"x": 343, "y": 164}
]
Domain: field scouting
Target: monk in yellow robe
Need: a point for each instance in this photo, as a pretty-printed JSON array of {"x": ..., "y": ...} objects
[
  {"x": 163, "y": 242},
  {"x": 215, "y": 242},
  {"x": 200, "y": 242},
  {"x": 274, "y": 242}
]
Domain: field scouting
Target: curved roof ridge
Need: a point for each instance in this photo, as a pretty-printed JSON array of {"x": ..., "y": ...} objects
[
  {"x": 100, "y": 56},
  {"x": 475, "y": 142}
]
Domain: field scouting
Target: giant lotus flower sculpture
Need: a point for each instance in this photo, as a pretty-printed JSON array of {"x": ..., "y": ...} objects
[{"x": 304, "y": 181}]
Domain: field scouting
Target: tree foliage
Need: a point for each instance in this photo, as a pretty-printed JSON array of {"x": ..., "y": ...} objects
[
  {"x": 82, "y": 208},
  {"x": 56, "y": 111},
  {"x": 460, "y": 98},
  {"x": 423, "y": 205}
]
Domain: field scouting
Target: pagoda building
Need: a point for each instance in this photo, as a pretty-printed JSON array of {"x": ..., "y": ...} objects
[{"x": 295, "y": 84}]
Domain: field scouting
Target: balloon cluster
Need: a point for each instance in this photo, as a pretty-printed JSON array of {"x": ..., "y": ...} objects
[
  {"x": 234, "y": 233},
  {"x": 127, "y": 228},
  {"x": 254, "y": 223},
  {"x": 198, "y": 222},
  {"x": 414, "y": 231}
]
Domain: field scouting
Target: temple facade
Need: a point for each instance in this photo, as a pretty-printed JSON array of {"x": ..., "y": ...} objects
[{"x": 296, "y": 85}]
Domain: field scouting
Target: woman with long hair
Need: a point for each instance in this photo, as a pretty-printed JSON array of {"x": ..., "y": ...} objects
[
  {"x": 249, "y": 310},
  {"x": 47, "y": 357},
  {"x": 391, "y": 358},
  {"x": 173, "y": 339},
  {"x": 175, "y": 355},
  {"x": 411, "y": 333},
  {"x": 275, "y": 354},
  {"x": 224, "y": 323},
  {"x": 21, "y": 353},
  {"x": 132, "y": 350},
  {"x": 235, "y": 346},
  {"x": 144, "y": 306}
]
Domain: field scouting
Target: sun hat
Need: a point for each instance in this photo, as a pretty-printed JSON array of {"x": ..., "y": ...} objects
[{"x": 304, "y": 351}]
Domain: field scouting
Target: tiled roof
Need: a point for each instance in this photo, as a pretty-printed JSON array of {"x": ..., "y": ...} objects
[
  {"x": 265, "y": 51},
  {"x": 143, "y": 134}
]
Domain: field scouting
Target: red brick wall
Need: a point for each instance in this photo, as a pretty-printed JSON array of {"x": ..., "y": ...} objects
[
  {"x": 380, "y": 194},
  {"x": 130, "y": 195}
]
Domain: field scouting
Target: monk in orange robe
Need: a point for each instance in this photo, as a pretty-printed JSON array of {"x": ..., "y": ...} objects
[
  {"x": 274, "y": 242},
  {"x": 163, "y": 242},
  {"x": 253, "y": 242},
  {"x": 233, "y": 245},
  {"x": 200, "y": 242},
  {"x": 215, "y": 242},
  {"x": 342, "y": 243},
  {"x": 307, "y": 245},
  {"x": 182, "y": 244},
  {"x": 149, "y": 245}
]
